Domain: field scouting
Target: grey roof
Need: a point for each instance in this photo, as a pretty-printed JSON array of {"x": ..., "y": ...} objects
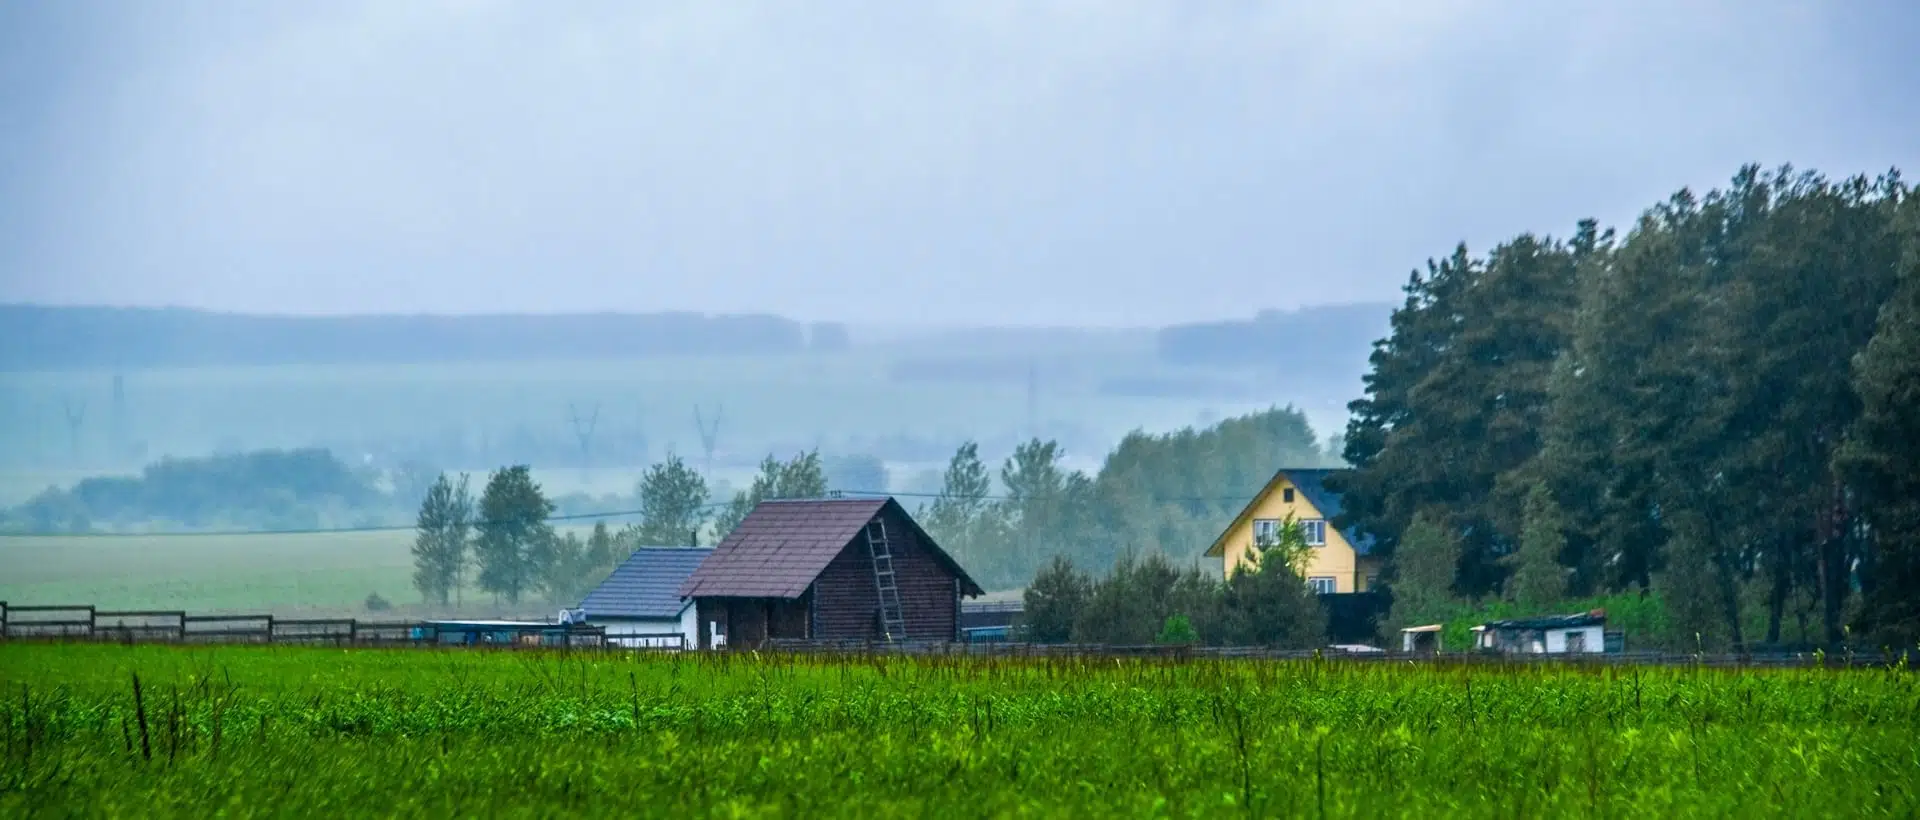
[
  {"x": 782, "y": 545},
  {"x": 1574, "y": 620},
  {"x": 1312, "y": 485},
  {"x": 646, "y": 585}
]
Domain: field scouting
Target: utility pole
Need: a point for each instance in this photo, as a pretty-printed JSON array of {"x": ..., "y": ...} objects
[
  {"x": 583, "y": 427},
  {"x": 709, "y": 433},
  {"x": 76, "y": 416}
]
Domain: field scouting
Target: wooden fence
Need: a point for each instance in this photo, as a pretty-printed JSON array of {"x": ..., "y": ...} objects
[{"x": 89, "y": 623}]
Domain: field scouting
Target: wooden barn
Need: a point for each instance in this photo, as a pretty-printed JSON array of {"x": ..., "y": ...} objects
[{"x": 828, "y": 569}]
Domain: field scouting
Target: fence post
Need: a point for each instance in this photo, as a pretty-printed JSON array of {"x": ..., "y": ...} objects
[
  {"x": 3, "y": 620},
  {"x": 93, "y": 615},
  {"x": 270, "y": 628},
  {"x": 353, "y": 631}
]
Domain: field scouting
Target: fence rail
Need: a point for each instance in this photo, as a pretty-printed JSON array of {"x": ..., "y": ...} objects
[{"x": 83, "y": 622}]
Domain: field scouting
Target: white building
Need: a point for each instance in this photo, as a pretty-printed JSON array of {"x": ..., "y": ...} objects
[
  {"x": 1581, "y": 633},
  {"x": 640, "y": 603}
]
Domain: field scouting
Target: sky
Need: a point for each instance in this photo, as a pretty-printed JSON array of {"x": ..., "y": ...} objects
[{"x": 968, "y": 162}]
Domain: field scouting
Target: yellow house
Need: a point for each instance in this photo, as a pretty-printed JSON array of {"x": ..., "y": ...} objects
[{"x": 1339, "y": 561}]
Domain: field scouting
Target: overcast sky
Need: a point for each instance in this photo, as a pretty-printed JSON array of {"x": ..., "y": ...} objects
[{"x": 1103, "y": 162}]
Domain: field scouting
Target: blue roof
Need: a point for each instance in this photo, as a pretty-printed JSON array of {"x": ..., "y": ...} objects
[
  {"x": 646, "y": 585},
  {"x": 1312, "y": 485}
]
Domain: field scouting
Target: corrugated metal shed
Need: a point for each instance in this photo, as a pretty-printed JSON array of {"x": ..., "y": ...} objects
[
  {"x": 646, "y": 585},
  {"x": 782, "y": 546}
]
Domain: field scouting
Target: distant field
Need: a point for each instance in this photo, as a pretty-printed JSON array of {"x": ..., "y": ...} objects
[
  {"x": 323, "y": 574},
  {"x": 318, "y": 574},
  {"x": 848, "y": 402}
]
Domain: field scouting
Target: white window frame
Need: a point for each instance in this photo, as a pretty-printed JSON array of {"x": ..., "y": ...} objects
[
  {"x": 1315, "y": 531},
  {"x": 1271, "y": 534},
  {"x": 1324, "y": 584}
]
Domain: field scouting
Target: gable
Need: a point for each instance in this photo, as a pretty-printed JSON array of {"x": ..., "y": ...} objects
[
  {"x": 782, "y": 546},
  {"x": 1313, "y": 493}
]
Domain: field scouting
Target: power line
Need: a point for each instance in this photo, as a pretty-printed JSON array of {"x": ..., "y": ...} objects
[{"x": 1242, "y": 498}]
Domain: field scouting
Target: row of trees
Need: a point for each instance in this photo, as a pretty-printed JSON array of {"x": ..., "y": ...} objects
[
  {"x": 1718, "y": 409},
  {"x": 1147, "y": 599},
  {"x": 506, "y": 541},
  {"x": 1165, "y": 495}
]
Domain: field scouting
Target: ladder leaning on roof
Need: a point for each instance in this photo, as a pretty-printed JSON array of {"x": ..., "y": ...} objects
[{"x": 893, "y": 622}]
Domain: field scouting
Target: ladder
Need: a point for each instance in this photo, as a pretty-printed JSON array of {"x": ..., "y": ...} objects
[{"x": 893, "y": 621}]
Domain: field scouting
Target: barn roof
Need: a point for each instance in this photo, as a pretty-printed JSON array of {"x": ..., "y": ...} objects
[
  {"x": 646, "y": 585},
  {"x": 1576, "y": 620},
  {"x": 782, "y": 545}
]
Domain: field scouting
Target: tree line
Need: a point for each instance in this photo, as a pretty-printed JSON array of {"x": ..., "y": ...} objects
[
  {"x": 1719, "y": 410},
  {"x": 1146, "y": 598},
  {"x": 1160, "y": 497}
]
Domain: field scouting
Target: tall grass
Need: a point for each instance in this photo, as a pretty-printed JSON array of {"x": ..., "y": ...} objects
[{"x": 281, "y": 730}]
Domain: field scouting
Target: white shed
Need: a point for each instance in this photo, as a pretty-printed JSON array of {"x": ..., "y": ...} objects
[
  {"x": 640, "y": 603},
  {"x": 1579, "y": 633}
]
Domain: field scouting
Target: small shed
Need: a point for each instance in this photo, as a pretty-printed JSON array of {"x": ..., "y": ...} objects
[
  {"x": 827, "y": 569},
  {"x": 1423, "y": 639},
  {"x": 640, "y": 604},
  {"x": 1577, "y": 633}
]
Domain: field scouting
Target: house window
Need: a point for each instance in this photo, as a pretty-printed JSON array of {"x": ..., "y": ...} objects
[
  {"x": 1266, "y": 531},
  {"x": 1322, "y": 584},
  {"x": 1287, "y": 495},
  {"x": 1316, "y": 532}
]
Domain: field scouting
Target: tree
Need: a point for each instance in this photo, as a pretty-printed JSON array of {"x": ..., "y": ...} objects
[
  {"x": 1686, "y": 585},
  {"x": 1266, "y": 602},
  {"x": 515, "y": 543},
  {"x": 673, "y": 504},
  {"x": 440, "y": 540},
  {"x": 1424, "y": 566},
  {"x": 1538, "y": 580},
  {"x": 1880, "y": 459},
  {"x": 1043, "y": 506},
  {"x": 799, "y": 477},
  {"x": 962, "y": 518},
  {"x": 571, "y": 566},
  {"x": 1131, "y": 604},
  {"x": 1054, "y": 601}
]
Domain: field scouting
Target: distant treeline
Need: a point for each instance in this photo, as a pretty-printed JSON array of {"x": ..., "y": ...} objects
[
  {"x": 52, "y": 338},
  {"x": 1325, "y": 341}
]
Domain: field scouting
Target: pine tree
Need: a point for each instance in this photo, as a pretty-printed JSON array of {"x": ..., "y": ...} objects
[
  {"x": 1538, "y": 580},
  {"x": 1881, "y": 457},
  {"x": 440, "y": 542},
  {"x": 1054, "y": 601},
  {"x": 515, "y": 543},
  {"x": 962, "y": 517}
]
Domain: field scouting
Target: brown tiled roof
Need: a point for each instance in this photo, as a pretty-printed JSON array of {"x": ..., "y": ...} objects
[{"x": 781, "y": 546}]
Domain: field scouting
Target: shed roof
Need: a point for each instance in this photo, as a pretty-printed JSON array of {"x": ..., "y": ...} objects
[
  {"x": 782, "y": 545},
  {"x": 1312, "y": 484},
  {"x": 1597, "y": 617},
  {"x": 646, "y": 585}
]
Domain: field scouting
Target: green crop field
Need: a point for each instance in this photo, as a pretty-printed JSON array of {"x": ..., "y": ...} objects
[{"x": 406, "y": 732}]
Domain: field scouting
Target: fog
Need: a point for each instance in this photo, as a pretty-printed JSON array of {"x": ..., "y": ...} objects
[{"x": 953, "y": 163}]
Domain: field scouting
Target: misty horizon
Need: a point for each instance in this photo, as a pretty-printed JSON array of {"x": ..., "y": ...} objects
[{"x": 1056, "y": 165}]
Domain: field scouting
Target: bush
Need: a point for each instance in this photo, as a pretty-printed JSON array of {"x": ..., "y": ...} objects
[{"x": 375, "y": 603}]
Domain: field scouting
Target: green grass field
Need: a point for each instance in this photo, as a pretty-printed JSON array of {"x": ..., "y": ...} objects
[
  {"x": 244, "y": 731},
  {"x": 322, "y": 574}
]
